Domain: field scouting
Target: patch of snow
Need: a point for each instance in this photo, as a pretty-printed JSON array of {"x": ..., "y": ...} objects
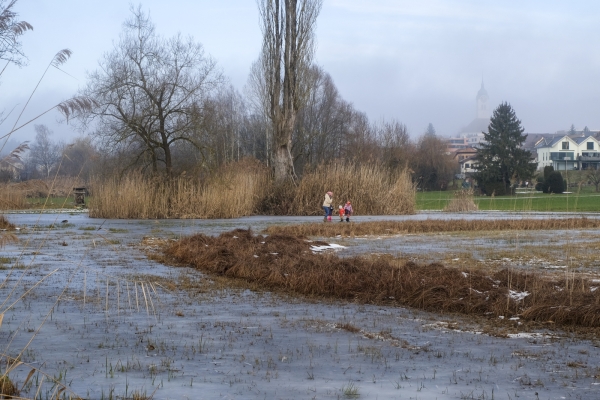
[
  {"x": 517, "y": 295},
  {"x": 331, "y": 246}
]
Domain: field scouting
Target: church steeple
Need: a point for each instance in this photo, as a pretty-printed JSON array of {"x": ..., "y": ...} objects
[{"x": 482, "y": 103}]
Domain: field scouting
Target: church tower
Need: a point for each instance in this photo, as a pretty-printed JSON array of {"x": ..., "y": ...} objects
[{"x": 482, "y": 103}]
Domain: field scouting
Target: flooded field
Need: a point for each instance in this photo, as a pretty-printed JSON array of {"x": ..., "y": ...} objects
[{"x": 108, "y": 322}]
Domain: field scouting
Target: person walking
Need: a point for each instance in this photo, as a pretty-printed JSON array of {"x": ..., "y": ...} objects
[
  {"x": 341, "y": 212},
  {"x": 348, "y": 211},
  {"x": 327, "y": 207}
]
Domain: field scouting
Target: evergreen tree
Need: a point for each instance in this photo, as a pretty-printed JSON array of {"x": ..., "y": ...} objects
[
  {"x": 430, "y": 130},
  {"x": 501, "y": 158}
]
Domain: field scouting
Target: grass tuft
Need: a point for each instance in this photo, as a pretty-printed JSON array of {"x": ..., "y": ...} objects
[
  {"x": 7, "y": 387},
  {"x": 463, "y": 201}
]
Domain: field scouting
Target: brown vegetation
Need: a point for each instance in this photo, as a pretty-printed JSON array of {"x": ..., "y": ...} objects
[
  {"x": 5, "y": 224},
  {"x": 245, "y": 188},
  {"x": 432, "y": 226},
  {"x": 13, "y": 195},
  {"x": 286, "y": 263},
  {"x": 7, "y": 388},
  {"x": 233, "y": 191},
  {"x": 463, "y": 201}
]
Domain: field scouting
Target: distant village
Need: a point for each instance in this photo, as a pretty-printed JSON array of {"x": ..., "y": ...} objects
[{"x": 563, "y": 150}]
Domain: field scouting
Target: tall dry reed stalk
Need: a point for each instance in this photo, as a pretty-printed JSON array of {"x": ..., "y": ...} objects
[{"x": 233, "y": 191}]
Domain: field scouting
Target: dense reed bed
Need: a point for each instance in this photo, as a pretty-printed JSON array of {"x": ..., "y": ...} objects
[
  {"x": 372, "y": 188},
  {"x": 234, "y": 191},
  {"x": 431, "y": 226},
  {"x": 246, "y": 188},
  {"x": 287, "y": 263}
]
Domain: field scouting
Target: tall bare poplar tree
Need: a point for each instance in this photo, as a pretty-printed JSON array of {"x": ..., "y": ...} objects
[{"x": 288, "y": 28}]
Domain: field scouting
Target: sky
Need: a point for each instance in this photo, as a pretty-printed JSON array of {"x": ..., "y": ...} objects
[{"x": 417, "y": 62}]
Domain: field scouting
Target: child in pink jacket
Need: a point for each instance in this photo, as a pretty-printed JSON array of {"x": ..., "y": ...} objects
[{"x": 347, "y": 211}]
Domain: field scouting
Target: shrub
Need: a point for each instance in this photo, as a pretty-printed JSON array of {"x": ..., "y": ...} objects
[
  {"x": 547, "y": 171},
  {"x": 555, "y": 183},
  {"x": 494, "y": 188}
]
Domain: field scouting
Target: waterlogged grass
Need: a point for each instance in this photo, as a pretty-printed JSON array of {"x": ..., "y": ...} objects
[
  {"x": 581, "y": 200},
  {"x": 287, "y": 263}
]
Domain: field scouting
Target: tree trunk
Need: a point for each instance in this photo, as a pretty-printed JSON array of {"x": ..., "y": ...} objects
[{"x": 283, "y": 164}]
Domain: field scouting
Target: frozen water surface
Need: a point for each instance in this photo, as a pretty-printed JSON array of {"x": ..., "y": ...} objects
[{"x": 108, "y": 331}]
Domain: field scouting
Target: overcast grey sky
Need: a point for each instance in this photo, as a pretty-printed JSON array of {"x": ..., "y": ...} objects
[{"x": 414, "y": 61}]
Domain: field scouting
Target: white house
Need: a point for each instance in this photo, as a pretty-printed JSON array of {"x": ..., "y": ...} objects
[
  {"x": 568, "y": 152},
  {"x": 468, "y": 165}
]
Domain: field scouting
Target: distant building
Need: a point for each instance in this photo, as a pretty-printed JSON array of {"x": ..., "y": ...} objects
[
  {"x": 467, "y": 160},
  {"x": 472, "y": 134},
  {"x": 568, "y": 152}
]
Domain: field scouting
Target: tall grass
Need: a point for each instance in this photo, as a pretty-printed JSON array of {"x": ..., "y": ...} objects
[
  {"x": 13, "y": 196},
  {"x": 233, "y": 191},
  {"x": 372, "y": 188},
  {"x": 245, "y": 188},
  {"x": 11, "y": 199}
]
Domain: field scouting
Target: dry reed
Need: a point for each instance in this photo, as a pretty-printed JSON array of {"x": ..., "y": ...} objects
[
  {"x": 8, "y": 389},
  {"x": 431, "y": 226},
  {"x": 287, "y": 263},
  {"x": 372, "y": 188},
  {"x": 13, "y": 195},
  {"x": 244, "y": 188},
  {"x": 6, "y": 224},
  {"x": 463, "y": 201},
  {"x": 233, "y": 191}
]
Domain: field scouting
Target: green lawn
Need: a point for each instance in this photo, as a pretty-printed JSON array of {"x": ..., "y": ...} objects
[{"x": 585, "y": 200}]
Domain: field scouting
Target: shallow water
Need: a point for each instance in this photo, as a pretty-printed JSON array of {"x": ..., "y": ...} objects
[{"x": 104, "y": 332}]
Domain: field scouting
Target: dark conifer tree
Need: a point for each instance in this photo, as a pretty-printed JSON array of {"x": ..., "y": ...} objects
[{"x": 501, "y": 158}]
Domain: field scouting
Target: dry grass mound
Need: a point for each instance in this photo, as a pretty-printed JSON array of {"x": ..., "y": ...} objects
[
  {"x": 431, "y": 226},
  {"x": 6, "y": 224},
  {"x": 463, "y": 201},
  {"x": 8, "y": 389},
  {"x": 287, "y": 263}
]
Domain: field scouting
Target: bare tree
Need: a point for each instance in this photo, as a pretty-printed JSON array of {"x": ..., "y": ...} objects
[
  {"x": 593, "y": 176},
  {"x": 288, "y": 28},
  {"x": 44, "y": 153},
  {"x": 398, "y": 151},
  {"x": 78, "y": 158},
  {"x": 434, "y": 169},
  {"x": 150, "y": 92}
]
